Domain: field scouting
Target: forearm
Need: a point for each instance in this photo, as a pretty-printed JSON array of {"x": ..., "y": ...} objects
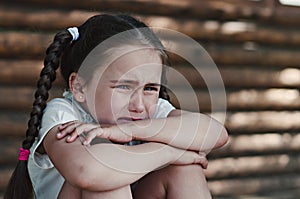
[
  {"x": 104, "y": 167},
  {"x": 123, "y": 165},
  {"x": 192, "y": 131}
]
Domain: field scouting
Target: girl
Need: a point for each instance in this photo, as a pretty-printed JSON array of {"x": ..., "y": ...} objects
[{"x": 116, "y": 93}]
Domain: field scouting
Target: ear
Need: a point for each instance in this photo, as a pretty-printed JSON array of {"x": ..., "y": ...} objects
[{"x": 76, "y": 84}]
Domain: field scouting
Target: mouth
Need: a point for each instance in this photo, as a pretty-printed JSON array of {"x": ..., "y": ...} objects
[{"x": 128, "y": 119}]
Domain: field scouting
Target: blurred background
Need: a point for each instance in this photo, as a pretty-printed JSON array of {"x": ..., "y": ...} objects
[{"x": 254, "y": 43}]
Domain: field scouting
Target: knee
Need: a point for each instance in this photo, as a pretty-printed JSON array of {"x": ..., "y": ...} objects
[
  {"x": 178, "y": 170},
  {"x": 186, "y": 181},
  {"x": 123, "y": 192},
  {"x": 182, "y": 172}
]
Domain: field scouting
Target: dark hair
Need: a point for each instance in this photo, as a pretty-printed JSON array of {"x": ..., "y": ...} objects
[{"x": 70, "y": 55}]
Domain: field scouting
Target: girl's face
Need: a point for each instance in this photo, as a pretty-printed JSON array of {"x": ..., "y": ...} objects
[{"x": 127, "y": 90}]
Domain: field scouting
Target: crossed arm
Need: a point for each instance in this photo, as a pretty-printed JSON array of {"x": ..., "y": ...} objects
[
  {"x": 104, "y": 167},
  {"x": 182, "y": 129}
]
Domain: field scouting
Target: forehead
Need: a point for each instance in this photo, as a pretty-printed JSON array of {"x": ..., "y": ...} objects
[{"x": 144, "y": 65}]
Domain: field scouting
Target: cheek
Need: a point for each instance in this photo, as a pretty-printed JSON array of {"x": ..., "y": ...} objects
[
  {"x": 103, "y": 104},
  {"x": 119, "y": 103},
  {"x": 150, "y": 104}
]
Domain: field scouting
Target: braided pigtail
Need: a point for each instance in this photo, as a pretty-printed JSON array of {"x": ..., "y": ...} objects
[{"x": 20, "y": 185}]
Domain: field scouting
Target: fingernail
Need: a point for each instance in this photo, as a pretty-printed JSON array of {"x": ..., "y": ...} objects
[{"x": 58, "y": 134}]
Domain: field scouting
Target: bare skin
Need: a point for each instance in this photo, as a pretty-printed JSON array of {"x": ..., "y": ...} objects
[
  {"x": 126, "y": 99},
  {"x": 89, "y": 181}
]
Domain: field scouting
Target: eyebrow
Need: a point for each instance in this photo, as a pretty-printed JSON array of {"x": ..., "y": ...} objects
[
  {"x": 153, "y": 84},
  {"x": 132, "y": 82},
  {"x": 124, "y": 81}
]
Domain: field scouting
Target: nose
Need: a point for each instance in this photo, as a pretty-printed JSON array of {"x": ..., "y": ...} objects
[{"x": 136, "y": 102}]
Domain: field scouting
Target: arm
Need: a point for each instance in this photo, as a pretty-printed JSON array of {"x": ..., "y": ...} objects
[
  {"x": 182, "y": 129},
  {"x": 117, "y": 165}
]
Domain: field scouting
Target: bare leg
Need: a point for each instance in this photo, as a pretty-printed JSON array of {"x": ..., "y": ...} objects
[
  {"x": 123, "y": 192},
  {"x": 173, "y": 182},
  {"x": 70, "y": 192}
]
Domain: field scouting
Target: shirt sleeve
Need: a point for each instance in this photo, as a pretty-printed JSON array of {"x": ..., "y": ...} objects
[
  {"x": 58, "y": 111},
  {"x": 163, "y": 109}
]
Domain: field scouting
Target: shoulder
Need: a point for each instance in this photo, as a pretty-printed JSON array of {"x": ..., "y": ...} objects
[
  {"x": 60, "y": 105},
  {"x": 59, "y": 102},
  {"x": 163, "y": 108},
  {"x": 59, "y": 110}
]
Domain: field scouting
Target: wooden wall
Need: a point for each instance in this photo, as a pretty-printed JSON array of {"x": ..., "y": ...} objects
[{"x": 255, "y": 44}]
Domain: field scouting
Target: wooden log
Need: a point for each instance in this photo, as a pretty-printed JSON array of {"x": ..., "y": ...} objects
[
  {"x": 13, "y": 123},
  {"x": 237, "y": 77},
  {"x": 28, "y": 45},
  {"x": 248, "y": 99},
  {"x": 227, "y": 167},
  {"x": 50, "y": 19},
  {"x": 23, "y": 72},
  {"x": 262, "y": 11},
  {"x": 287, "y": 194},
  {"x": 248, "y": 33},
  {"x": 23, "y": 45},
  {"x": 18, "y": 72},
  {"x": 9, "y": 150},
  {"x": 41, "y": 19},
  {"x": 26, "y": 72},
  {"x": 223, "y": 55},
  {"x": 264, "y": 78},
  {"x": 21, "y": 98},
  {"x": 255, "y": 185},
  {"x": 229, "y": 187},
  {"x": 259, "y": 144},
  {"x": 263, "y": 121},
  {"x": 4, "y": 178},
  {"x": 252, "y": 166},
  {"x": 278, "y": 194},
  {"x": 238, "y": 145},
  {"x": 271, "y": 99}
]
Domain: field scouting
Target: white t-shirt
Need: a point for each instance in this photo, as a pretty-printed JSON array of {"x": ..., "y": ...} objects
[{"x": 46, "y": 180}]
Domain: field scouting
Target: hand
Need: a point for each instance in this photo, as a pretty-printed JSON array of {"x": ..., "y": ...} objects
[
  {"x": 73, "y": 129},
  {"x": 184, "y": 157}
]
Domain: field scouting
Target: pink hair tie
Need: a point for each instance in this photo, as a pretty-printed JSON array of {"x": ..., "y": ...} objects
[{"x": 24, "y": 154}]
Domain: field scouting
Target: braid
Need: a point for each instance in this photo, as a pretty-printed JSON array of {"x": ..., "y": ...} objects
[
  {"x": 47, "y": 76},
  {"x": 20, "y": 186},
  {"x": 70, "y": 56}
]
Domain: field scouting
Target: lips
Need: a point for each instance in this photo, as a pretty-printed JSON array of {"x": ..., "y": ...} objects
[{"x": 128, "y": 119}]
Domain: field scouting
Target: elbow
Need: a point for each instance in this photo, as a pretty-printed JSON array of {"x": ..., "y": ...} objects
[
  {"x": 85, "y": 180},
  {"x": 90, "y": 178},
  {"x": 222, "y": 139},
  {"x": 82, "y": 182}
]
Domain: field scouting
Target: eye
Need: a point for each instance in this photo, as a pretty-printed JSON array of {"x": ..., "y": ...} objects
[
  {"x": 150, "y": 88},
  {"x": 123, "y": 87}
]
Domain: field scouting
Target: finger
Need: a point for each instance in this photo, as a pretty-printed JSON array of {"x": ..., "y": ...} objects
[
  {"x": 70, "y": 132},
  {"x": 203, "y": 162},
  {"x": 80, "y": 129},
  {"x": 66, "y": 128},
  {"x": 96, "y": 132},
  {"x": 75, "y": 132},
  {"x": 64, "y": 125}
]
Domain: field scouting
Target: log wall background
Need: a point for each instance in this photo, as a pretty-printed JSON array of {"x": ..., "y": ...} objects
[{"x": 255, "y": 44}]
